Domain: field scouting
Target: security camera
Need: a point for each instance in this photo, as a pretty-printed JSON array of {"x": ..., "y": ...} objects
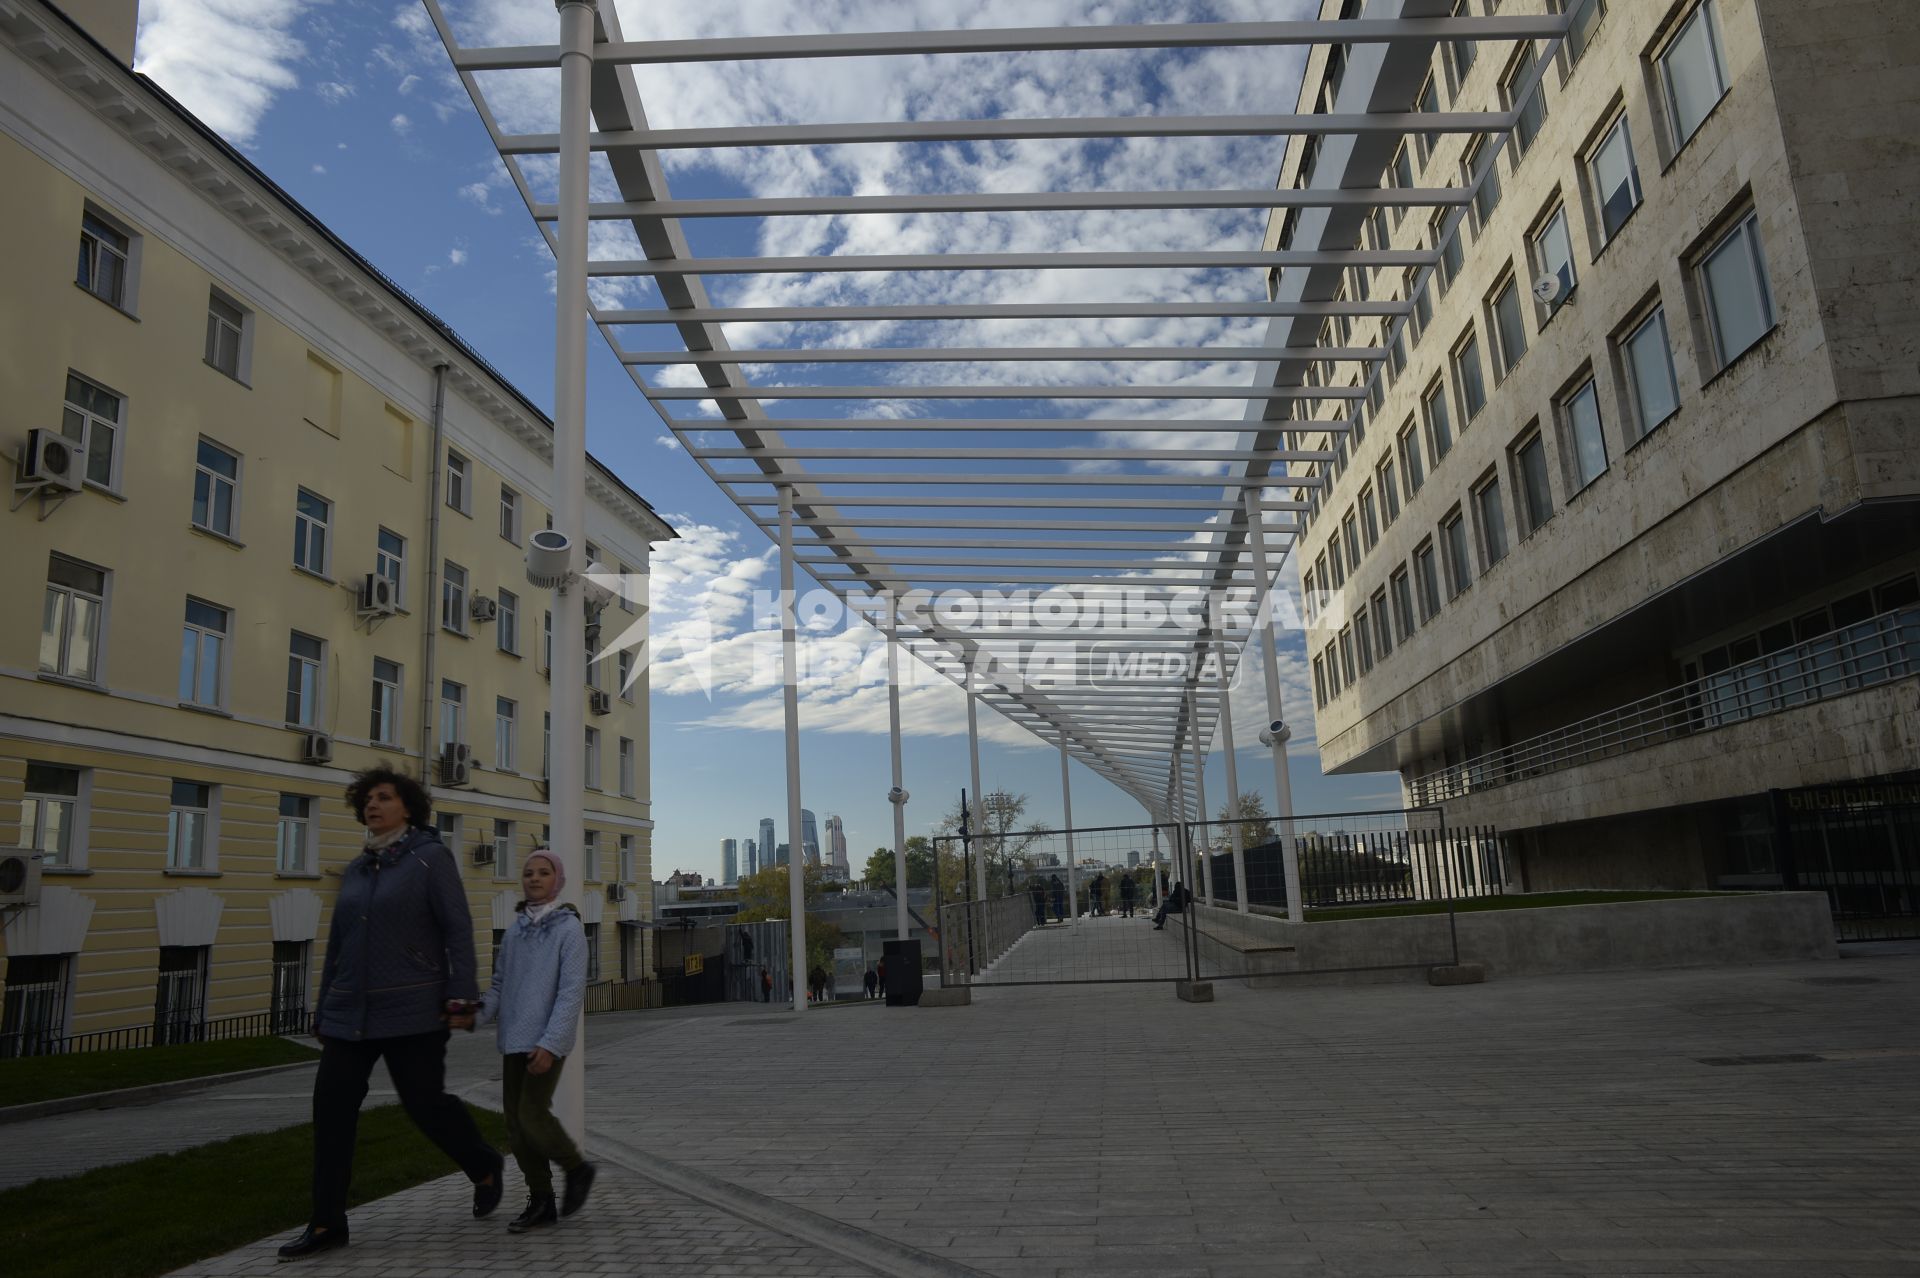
[
  {"x": 1275, "y": 733},
  {"x": 597, "y": 595},
  {"x": 896, "y": 795},
  {"x": 549, "y": 559}
]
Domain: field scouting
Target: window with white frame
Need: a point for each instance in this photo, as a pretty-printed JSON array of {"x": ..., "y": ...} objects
[
  {"x": 1492, "y": 517},
  {"x": 203, "y": 654},
  {"x": 52, "y": 813},
  {"x": 1453, "y": 535},
  {"x": 506, "y": 733},
  {"x": 384, "y": 728},
  {"x": 1616, "y": 178},
  {"x": 216, "y": 483},
  {"x": 453, "y": 597},
  {"x": 1467, "y": 375},
  {"x": 1426, "y": 568},
  {"x": 1586, "y": 442},
  {"x": 628, "y": 761},
  {"x": 1530, "y": 473},
  {"x": 106, "y": 260},
  {"x": 92, "y": 415},
  {"x": 1553, "y": 255},
  {"x": 506, "y": 627},
  {"x": 72, "y": 633},
  {"x": 627, "y": 602},
  {"x": 590, "y": 855},
  {"x": 306, "y": 659},
  {"x": 190, "y": 826},
  {"x": 593, "y": 759},
  {"x": 1509, "y": 327},
  {"x": 449, "y": 825},
  {"x": 1410, "y": 463},
  {"x": 312, "y": 522},
  {"x": 1733, "y": 283},
  {"x": 626, "y": 867},
  {"x": 1580, "y": 27},
  {"x": 1439, "y": 427},
  {"x": 227, "y": 324},
  {"x": 453, "y": 713},
  {"x": 390, "y": 560},
  {"x": 503, "y": 866},
  {"x": 459, "y": 495},
  {"x": 293, "y": 843},
  {"x": 624, "y": 661},
  {"x": 1693, "y": 73},
  {"x": 1531, "y": 113},
  {"x": 510, "y": 514},
  {"x": 1647, "y": 360}
]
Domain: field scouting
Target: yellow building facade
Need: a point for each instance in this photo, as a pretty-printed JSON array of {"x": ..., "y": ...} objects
[{"x": 295, "y": 549}]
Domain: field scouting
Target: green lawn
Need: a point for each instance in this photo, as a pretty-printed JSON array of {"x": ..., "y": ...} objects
[
  {"x": 157, "y": 1214},
  {"x": 1517, "y": 901},
  {"x": 38, "y": 1078}
]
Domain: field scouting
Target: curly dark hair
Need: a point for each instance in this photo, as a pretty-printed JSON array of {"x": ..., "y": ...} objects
[{"x": 410, "y": 792}]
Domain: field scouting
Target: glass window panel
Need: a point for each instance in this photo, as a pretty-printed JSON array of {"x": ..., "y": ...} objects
[
  {"x": 1473, "y": 389},
  {"x": 1693, "y": 72},
  {"x": 1738, "y": 300},
  {"x": 1509, "y": 327},
  {"x": 1616, "y": 178},
  {"x": 1583, "y": 427},
  {"x": 1650, "y": 370},
  {"x": 1493, "y": 522},
  {"x": 1533, "y": 479}
]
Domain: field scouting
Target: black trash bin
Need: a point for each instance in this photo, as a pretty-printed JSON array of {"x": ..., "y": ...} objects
[{"x": 903, "y": 972}]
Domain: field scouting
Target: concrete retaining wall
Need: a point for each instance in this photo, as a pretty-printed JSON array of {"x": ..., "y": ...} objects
[{"x": 1701, "y": 931}]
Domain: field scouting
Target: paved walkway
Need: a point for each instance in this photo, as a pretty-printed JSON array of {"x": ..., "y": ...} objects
[
  {"x": 1752, "y": 1121},
  {"x": 1108, "y": 948}
]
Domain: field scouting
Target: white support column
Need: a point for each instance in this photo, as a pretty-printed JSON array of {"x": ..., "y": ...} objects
[
  {"x": 1155, "y": 868},
  {"x": 790, "y": 691},
  {"x": 1276, "y": 732},
  {"x": 1066, "y": 805},
  {"x": 566, "y": 777},
  {"x": 897, "y": 796},
  {"x": 1203, "y": 869},
  {"x": 1233, "y": 781},
  {"x": 979, "y": 804},
  {"x": 1177, "y": 854}
]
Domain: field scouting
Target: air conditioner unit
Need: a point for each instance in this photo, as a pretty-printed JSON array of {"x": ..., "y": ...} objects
[
  {"x": 378, "y": 598},
  {"x": 483, "y": 607},
  {"x": 316, "y": 747},
  {"x": 483, "y": 854},
  {"x": 600, "y": 702},
  {"x": 19, "y": 878},
  {"x": 54, "y": 461},
  {"x": 616, "y": 892},
  {"x": 456, "y": 764}
]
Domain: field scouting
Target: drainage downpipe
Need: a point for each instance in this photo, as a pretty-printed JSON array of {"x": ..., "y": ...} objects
[{"x": 429, "y": 606}]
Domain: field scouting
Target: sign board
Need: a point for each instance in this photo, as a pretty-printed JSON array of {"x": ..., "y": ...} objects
[
  {"x": 849, "y": 971},
  {"x": 696, "y": 964}
]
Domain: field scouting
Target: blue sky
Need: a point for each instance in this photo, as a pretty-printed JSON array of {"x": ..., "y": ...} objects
[{"x": 350, "y": 105}]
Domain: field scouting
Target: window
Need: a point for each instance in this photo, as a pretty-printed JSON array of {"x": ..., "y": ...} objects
[
  {"x": 458, "y": 497},
  {"x": 1410, "y": 462},
  {"x": 106, "y": 257},
  {"x": 1402, "y": 177},
  {"x": 1509, "y": 328},
  {"x": 1319, "y": 682},
  {"x": 1422, "y": 308},
  {"x": 1334, "y": 557},
  {"x": 624, "y": 660},
  {"x": 1553, "y": 255},
  {"x": 1453, "y": 531},
  {"x": 1486, "y": 198},
  {"x": 510, "y": 514},
  {"x": 91, "y": 415},
  {"x": 1466, "y": 374},
  {"x": 312, "y": 515},
  {"x": 1350, "y": 529},
  {"x": 506, "y": 629},
  {"x": 292, "y": 961},
  {"x": 385, "y": 727},
  {"x": 627, "y": 760},
  {"x": 1369, "y": 518},
  {"x": 1733, "y": 278},
  {"x": 546, "y": 642},
  {"x": 1530, "y": 469},
  {"x": 215, "y": 479},
  {"x": 1439, "y": 429},
  {"x": 1331, "y": 655},
  {"x": 294, "y": 843},
  {"x": 1404, "y": 619},
  {"x": 453, "y": 713},
  {"x": 626, "y": 575},
  {"x": 71, "y": 634},
  {"x": 180, "y": 1001},
  {"x": 51, "y": 808},
  {"x": 1389, "y": 486},
  {"x": 189, "y": 826},
  {"x": 1382, "y": 625},
  {"x": 1452, "y": 257},
  {"x": 34, "y": 1019},
  {"x": 304, "y": 657},
  {"x": 1347, "y": 675},
  {"x": 1533, "y": 111},
  {"x": 1428, "y": 103},
  {"x": 503, "y": 866},
  {"x": 1649, "y": 368},
  {"x": 1616, "y": 179},
  {"x": 447, "y": 825},
  {"x": 1362, "y": 640},
  {"x": 506, "y": 733},
  {"x": 203, "y": 652},
  {"x": 590, "y": 855},
  {"x": 1580, "y": 418},
  {"x": 626, "y": 867},
  {"x": 390, "y": 559},
  {"x": 1693, "y": 74},
  {"x": 592, "y": 931},
  {"x": 546, "y": 744},
  {"x": 453, "y": 598},
  {"x": 1428, "y": 571},
  {"x": 1463, "y": 52},
  {"x": 226, "y": 335},
  {"x": 1493, "y": 521},
  {"x": 1586, "y": 16},
  {"x": 1309, "y": 590},
  {"x": 593, "y": 759}
]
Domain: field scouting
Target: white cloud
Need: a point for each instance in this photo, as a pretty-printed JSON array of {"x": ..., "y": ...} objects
[
  {"x": 667, "y": 442},
  {"x": 407, "y": 85},
  {"x": 400, "y": 124},
  {"x": 457, "y": 257},
  {"x": 321, "y": 169},
  {"x": 333, "y": 92},
  {"x": 226, "y": 60}
]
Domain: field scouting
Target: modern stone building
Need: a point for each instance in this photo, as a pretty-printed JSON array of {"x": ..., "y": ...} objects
[
  {"x": 1625, "y": 565},
  {"x": 292, "y": 547}
]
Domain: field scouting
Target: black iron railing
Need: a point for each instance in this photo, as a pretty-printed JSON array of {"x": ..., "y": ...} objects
[{"x": 257, "y": 1025}]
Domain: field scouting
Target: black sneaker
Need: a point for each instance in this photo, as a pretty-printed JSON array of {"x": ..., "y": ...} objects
[
  {"x": 486, "y": 1194},
  {"x": 579, "y": 1181},
  {"x": 539, "y": 1212},
  {"x": 312, "y": 1242}
]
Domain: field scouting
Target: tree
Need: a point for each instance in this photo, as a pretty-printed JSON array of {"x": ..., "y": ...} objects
[
  {"x": 1256, "y": 826},
  {"x": 992, "y": 821},
  {"x": 763, "y": 896}
]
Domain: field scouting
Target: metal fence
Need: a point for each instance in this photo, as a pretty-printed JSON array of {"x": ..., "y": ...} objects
[
  {"x": 1864, "y": 856},
  {"x": 1391, "y": 856},
  {"x": 257, "y": 1025},
  {"x": 975, "y": 934},
  {"x": 1877, "y": 650}
]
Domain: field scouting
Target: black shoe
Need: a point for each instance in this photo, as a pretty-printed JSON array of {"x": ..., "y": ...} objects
[
  {"x": 539, "y": 1212},
  {"x": 579, "y": 1181},
  {"x": 486, "y": 1196},
  {"x": 312, "y": 1242}
]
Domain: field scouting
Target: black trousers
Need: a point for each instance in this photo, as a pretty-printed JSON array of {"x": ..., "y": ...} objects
[{"x": 417, "y": 1064}]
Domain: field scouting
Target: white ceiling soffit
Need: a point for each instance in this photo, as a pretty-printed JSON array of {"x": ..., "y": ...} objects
[{"x": 1025, "y": 486}]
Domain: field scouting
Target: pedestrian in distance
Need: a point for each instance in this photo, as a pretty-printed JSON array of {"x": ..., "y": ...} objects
[
  {"x": 766, "y": 986},
  {"x": 1059, "y": 898},
  {"x": 871, "y": 981},
  {"x": 1175, "y": 903},
  {"x": 880, "y": 977},
  {"x": 817, "y": 985},
  {"x": 1037, "y": 892},
  {"x": 1097, "y": 896},
  {"x": 1129, "y": 892},
  {"x": 539, "y": 987},
  {"x": 399, "y": 966}
]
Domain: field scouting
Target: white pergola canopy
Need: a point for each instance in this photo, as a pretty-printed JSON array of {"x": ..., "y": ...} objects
[{"x": 1154, "y": 508}]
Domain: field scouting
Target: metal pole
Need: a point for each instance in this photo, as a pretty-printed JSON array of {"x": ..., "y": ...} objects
[
  {"x": 979, "y": 796},
  {"x": 1153, "y": 871},
  {"x": 1277, "y": 732},
  {"x": 790, "y": 678},
  {"x": 1234, "y": 840},
  {"x": 1205, "y": 867},
  {"x": 898, "y": 795},
  {"x": 567, "y": 695},
  {"x": 1066, "y": 805}
]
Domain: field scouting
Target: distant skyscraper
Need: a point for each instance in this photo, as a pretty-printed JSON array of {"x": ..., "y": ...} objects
[
  {"x": 1133, "y": 858},
  {"x": 729, "y": 861},
  {"x": 837, "y": 843},
  {"x": 809, "y": 838},
  {"x": 766, "y": 843},
  {"x": 750, "y": 848},
  {"x": 780, "y": 855}
]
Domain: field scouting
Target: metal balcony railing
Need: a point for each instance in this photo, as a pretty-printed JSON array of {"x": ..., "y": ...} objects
[{"x": 1877, "y": 650}]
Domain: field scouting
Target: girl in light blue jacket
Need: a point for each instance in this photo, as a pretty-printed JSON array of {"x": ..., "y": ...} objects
[{"x": 539, "y": 983}]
